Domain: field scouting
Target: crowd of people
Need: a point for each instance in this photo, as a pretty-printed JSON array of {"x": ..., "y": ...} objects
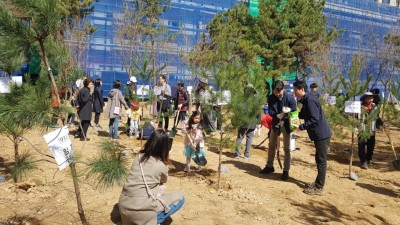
[{"x": 143, "y": 200}]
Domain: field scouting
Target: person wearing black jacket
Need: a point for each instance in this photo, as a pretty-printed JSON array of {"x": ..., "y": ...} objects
[
  {"x": 98, "y": 103},
  {"x": 280, "y": 104},
  {"x": 181, "y": 104},
  {"x": 318, "y": 131},
  {"x": 85, "y": 104}
]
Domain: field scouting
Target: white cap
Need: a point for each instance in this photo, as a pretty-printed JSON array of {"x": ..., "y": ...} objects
[
  {"x": 368, "y": 93},
  {"x": 204, "y": 80},
  {"x": 133, "y": 79}
]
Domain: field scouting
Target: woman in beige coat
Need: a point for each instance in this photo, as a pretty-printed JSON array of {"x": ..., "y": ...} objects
[
  {"x": 113, "y": 110},
  {"x": 143, "y": 201}
]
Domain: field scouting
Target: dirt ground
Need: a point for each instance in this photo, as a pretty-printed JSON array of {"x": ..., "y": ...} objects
[{"x": 246, "y": 197}]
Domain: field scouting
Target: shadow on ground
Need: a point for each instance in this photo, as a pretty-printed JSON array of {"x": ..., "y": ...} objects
[
  {"x": 20, "y": 219},
  {"x": 321, "y": 212}
]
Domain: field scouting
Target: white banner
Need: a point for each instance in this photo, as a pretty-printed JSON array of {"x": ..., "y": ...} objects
[
  {"x": 352, "y": 107},
  {"x": 61, "y": 147}
]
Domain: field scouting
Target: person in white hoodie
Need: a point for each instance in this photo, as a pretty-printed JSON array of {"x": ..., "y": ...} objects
[{"x": 113, "y": 110}]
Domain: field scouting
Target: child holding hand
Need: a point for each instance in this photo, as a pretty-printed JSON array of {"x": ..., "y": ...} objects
[{"x": 194, "y": 140}]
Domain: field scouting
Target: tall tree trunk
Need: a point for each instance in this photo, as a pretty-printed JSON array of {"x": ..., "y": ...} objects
[
  {"x": 351, "y": 155},
  {"x": 78, "y": 195},
  {"x": 220, "y": 160},
  {"x": 50, "y": 73},
  {"x": 16, "y": 148}
]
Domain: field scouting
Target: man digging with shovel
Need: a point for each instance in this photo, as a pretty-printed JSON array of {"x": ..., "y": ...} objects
[{"x": 279, "y": 105}]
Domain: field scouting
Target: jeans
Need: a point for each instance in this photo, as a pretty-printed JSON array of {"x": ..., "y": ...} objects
[
  {"x": 370, "y": 149},
  {"x": 273, "y": 141},
  {"x": 161, "y": 216},
  {"x": 249, "y": 139},
  {"x": 321, "y": 155},
  {"x": 134, "y": 127},
  {"x": 113, "y": 125}
]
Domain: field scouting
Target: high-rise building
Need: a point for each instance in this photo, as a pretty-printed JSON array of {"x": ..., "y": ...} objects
[
  {"x": 390, "y": 2},
  {"x": 357, "y": 18}
]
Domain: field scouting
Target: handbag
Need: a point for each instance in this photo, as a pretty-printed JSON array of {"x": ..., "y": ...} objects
[{"x": 117, "y": 110}]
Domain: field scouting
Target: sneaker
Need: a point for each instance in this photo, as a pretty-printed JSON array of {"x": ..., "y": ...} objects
[
  {"x": 117, "y": 138},
  {"x": 246, "y": 157},
  {"x": 313, "y": 191},
  {"x": 285, "y": 175},
  {"x": 310, "y": 185},
  {"x": 83, "y": 139},
  {"x": 99, "y": 127},
  {"x": 187, "y": 168},
  {"x": 237, "y": 157},
  {"x": 267, "y": 170},
  {"x": 199, "y": 168},
  {"x": 364, "y": 165}
]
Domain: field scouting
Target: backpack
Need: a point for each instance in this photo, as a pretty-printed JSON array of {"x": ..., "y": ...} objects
[{"x": 147, "y": 132}]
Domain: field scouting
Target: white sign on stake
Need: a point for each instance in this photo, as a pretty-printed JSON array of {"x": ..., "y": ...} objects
[
  {"x": 352, "y": 107},
  {"x": 331, "y": 100},
  {"x": 61, "y": 147},
  {"x": 225, "y": 98}
]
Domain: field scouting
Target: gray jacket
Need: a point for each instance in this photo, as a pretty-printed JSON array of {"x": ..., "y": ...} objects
[
  {"x": 136, "y": 206},
  {"x": 115, "y": 99}
]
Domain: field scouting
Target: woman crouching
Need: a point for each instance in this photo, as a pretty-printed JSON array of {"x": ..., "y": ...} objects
[{"x": 143, "y": 201}]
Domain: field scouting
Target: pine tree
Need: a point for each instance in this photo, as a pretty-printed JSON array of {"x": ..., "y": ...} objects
[{"x": 289, "y": 32}]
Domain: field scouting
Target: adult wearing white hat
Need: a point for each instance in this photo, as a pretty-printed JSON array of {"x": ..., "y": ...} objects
[
  {"x": 368, "y": 127},
  {"x": 203, "y": 94},
  {"x": 130, "y": 93}
]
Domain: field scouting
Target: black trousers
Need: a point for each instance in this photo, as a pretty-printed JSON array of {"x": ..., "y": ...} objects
[
  {"x": 370, "y": 143},
  {"x": 321, "y": 155},
  {"x": 96, "y": 118},
  {"x": 71, "y": 118},
  {"x": 85, "y": 126},
  {"x": 162, "y": 108}
]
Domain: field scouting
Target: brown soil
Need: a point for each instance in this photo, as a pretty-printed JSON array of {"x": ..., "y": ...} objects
[{"x": 246, "y": 197}]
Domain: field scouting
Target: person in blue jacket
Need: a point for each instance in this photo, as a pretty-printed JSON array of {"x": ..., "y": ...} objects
[
  {"x": 318, "y": 131},
  {"x": 280, "y": 104}
]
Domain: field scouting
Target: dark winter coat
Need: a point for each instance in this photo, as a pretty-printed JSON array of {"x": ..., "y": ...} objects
[
  {"x": 181, "y": 97},
  {"x": 85, "y": 102},
  {"x": 98, "y": 101},
  {"x": 314, "y": 118},
  {"x": 275, "y": 107}
]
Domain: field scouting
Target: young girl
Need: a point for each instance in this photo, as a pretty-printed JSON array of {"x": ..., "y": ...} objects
[
  {"x": 135, "y": 119},
  {"x": 143, "y": 199},
  {"x": 194, "y": 139}
]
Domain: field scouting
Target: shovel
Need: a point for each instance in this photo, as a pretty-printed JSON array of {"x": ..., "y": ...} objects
[
  {"x": 396, "y": 162},
  {"x": 173, "y": 131}
]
